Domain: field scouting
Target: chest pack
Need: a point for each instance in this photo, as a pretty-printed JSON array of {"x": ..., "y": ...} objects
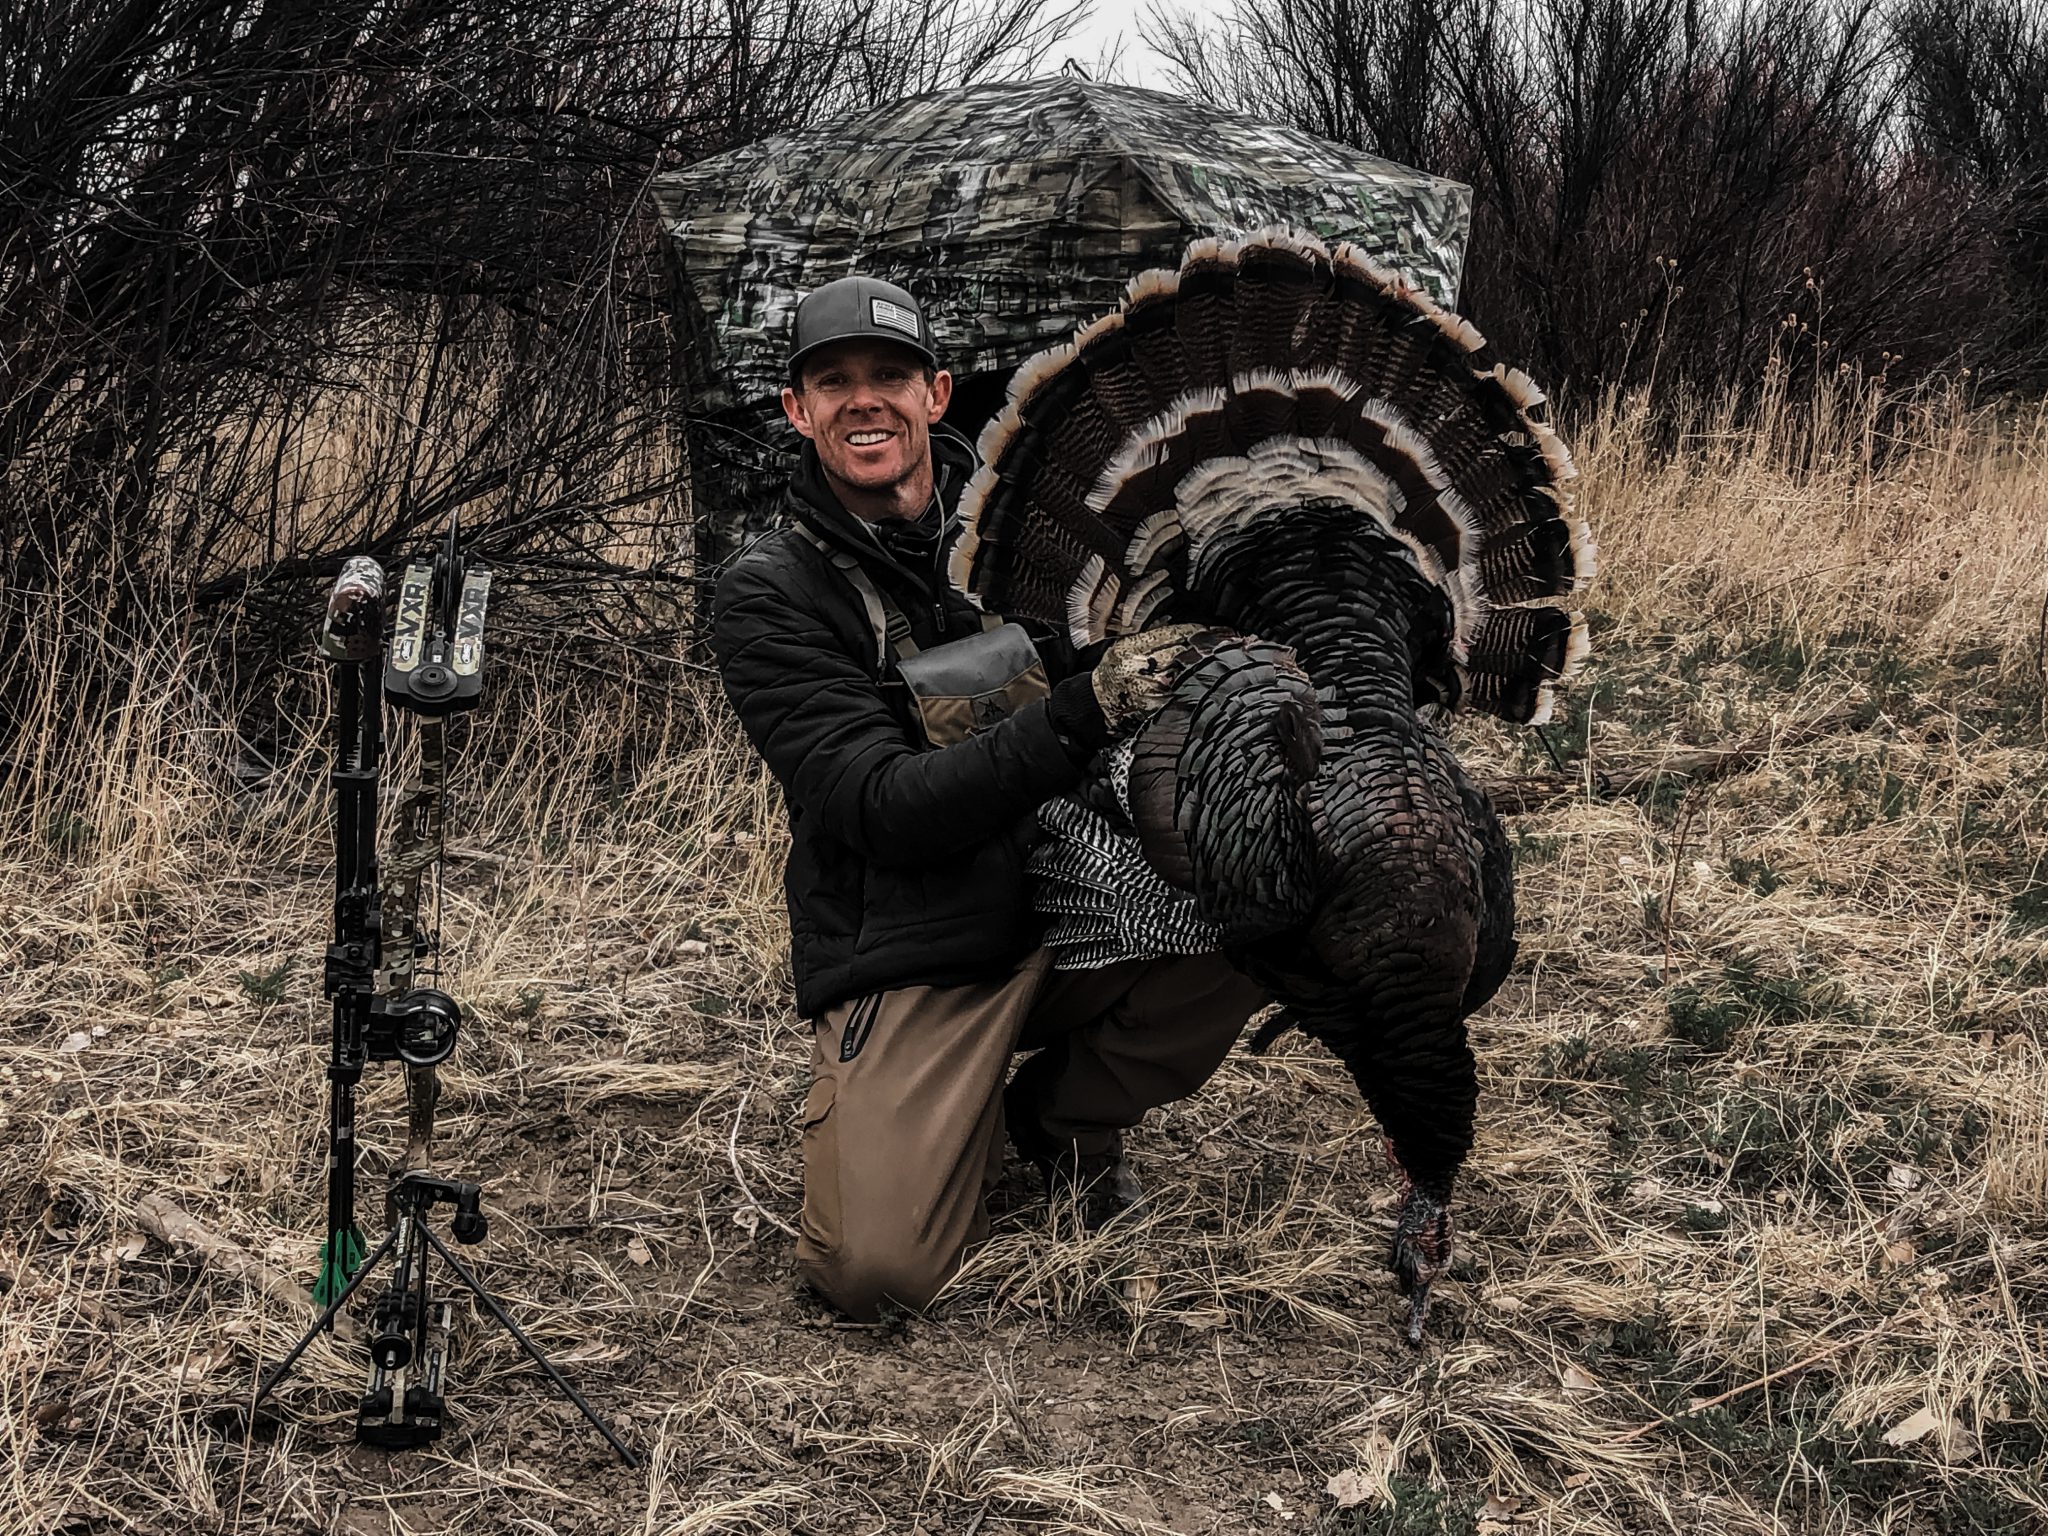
[{"x": 958, "y": 688}]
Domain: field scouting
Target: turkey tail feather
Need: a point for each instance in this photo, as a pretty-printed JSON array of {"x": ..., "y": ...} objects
[{"x": 1265, "y": 369}]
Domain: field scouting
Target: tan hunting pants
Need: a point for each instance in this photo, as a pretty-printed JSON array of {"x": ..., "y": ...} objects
[{"x": 903, "y": 1127}]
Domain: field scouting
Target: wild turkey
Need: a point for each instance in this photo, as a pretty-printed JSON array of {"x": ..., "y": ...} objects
[{"x": 1294, "y": 446}]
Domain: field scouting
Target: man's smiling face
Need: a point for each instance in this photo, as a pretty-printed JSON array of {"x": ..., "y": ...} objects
[{"x": 870, "y": 406}]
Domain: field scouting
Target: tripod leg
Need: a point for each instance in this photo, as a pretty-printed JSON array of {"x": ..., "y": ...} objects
[
  {"x": 362, "y": 1273},
  {"x": 533, "y": 1350},
  {"x": 403, "y": 1407}
]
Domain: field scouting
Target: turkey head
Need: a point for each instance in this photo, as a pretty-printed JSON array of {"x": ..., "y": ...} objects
[{"x": 1295, "y": 448}]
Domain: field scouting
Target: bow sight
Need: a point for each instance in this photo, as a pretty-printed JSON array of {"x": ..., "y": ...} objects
[{"x": 434, "y": 669}]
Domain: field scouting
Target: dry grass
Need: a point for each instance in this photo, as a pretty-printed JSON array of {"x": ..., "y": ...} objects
[{"x": 1770, "y": 1083}]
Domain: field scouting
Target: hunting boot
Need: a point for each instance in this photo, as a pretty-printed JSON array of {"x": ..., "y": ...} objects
[{"x": 1099, "y": 1185}]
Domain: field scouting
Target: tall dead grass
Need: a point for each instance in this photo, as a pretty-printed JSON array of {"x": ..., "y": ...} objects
[{"x": 1756, "y": 1232}]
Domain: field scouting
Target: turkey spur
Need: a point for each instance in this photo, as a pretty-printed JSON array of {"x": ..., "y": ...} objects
[{"x": 1294, "y": 448}]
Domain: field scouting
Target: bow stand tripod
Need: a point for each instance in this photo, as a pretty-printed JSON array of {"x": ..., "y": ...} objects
[{"x": 435, "y": 669}]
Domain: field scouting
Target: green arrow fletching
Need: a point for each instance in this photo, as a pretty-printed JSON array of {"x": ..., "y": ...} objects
[{"x": 340, "y": 1257}]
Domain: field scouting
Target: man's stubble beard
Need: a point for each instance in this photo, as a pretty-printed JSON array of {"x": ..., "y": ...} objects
[{"x": 904, "y": 505}]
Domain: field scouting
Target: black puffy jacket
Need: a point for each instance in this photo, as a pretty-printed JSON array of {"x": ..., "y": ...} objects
[{"x": 906, "y": 863}]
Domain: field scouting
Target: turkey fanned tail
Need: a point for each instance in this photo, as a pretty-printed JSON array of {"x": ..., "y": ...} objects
[{"x": 1266, "y": 373}]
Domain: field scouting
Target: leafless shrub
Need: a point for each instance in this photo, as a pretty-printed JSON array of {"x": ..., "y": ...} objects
[
  {"x": 278, "y": 284},
  {"x": 1665, "y": 192},
  {"x": 1976, "y": 97}
]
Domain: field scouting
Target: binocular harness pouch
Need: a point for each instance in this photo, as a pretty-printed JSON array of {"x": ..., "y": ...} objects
[{"x": 961, "y": 687}]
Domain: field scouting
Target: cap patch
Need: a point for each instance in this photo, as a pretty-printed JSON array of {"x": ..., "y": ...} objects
[{"x": 896, "y": 318}]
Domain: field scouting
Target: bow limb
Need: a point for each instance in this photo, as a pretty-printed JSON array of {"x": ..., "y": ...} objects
[{"x": 417, "y": 847}]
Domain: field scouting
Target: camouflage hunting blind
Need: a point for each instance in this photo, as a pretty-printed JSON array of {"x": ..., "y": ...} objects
[{"x": 1015, "y": 212}]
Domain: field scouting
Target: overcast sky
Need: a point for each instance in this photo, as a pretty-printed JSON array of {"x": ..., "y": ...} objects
[{"x": 1125, "y": 21}]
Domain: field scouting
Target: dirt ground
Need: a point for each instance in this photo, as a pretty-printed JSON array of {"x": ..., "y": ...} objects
[{"x": 1755, "y": 1238}]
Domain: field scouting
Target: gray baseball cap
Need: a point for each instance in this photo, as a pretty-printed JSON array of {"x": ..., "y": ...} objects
[{"x": 858, "y": 306}]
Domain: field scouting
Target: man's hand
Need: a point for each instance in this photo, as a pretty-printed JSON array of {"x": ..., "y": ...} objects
[{"x": 1137, "y": 672}]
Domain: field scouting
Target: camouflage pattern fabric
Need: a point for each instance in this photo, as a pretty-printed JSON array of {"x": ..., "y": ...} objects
[{"x": 1015, "y": 211}]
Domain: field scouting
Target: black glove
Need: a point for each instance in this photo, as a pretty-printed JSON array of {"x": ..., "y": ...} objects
[{"x": 1077, "y": 717}]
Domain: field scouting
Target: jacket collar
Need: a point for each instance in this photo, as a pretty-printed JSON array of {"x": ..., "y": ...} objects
[{"x": 811, "y": 502}]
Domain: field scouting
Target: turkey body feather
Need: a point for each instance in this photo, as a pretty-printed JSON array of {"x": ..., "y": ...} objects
[{"x": 1293, "y": 447}]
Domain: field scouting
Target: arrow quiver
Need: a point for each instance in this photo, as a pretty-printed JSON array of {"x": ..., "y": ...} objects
[
  {"x": 434, "y": 669},
  {"x": 351, "y": 638}
]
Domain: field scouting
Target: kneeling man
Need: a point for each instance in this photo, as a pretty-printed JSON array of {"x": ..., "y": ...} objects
[{"x": 914, "y": 742}]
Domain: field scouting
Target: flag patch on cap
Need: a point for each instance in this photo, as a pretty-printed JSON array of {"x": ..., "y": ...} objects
[{"x": 896, "y": 318}]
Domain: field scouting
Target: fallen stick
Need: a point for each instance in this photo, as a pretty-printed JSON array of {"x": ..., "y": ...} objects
[
  {"x": 1701, "y": 1404},
  {"x": 732, "y": 1152},
  {"x": 1530, "y": 792},
  {"x": 175, "y": 1229}
]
